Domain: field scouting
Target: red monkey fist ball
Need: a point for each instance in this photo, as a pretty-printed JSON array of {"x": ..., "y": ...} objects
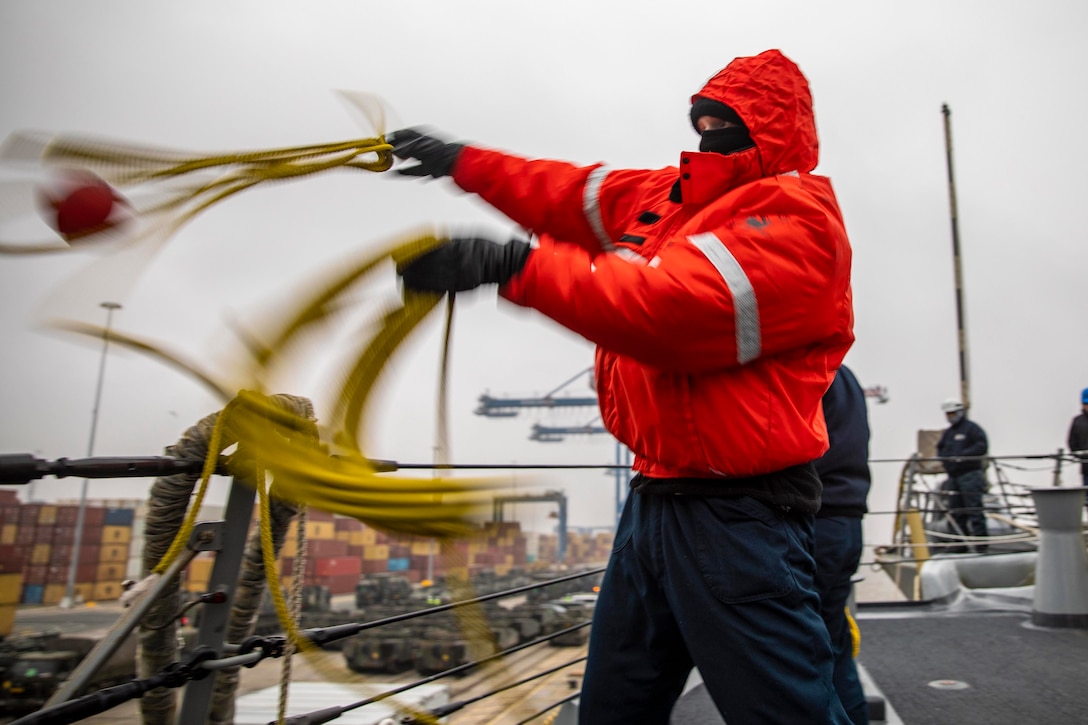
[{"x": 78, "y": 204}]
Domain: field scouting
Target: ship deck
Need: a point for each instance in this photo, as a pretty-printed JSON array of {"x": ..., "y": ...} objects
[{"x": 974, "y": 667}]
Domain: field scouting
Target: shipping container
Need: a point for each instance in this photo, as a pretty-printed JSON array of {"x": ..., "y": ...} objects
[
  {"x": 107, "y": 590},
  {"x": 7, "y": 619},
  {"x": 54, "y": 593},
  {"x": 11, "y": 587},
  {"x": 87, "y": 572},
  {"x": 344, "y": 523},
  {"x": 66, "y": 534},
  {"x": 398, "y": 564},
  {"x": 110, "y": 572},
  {"x": 47, "y": 515},
  {"x": 113, "y": 553},
  {"x": 118, "y": 517},
  {"x": 377, "y": 552},
  {"x": 421, "y": 562},
  {"x": 28, "y": 514},
  {"x": 69, "y": 515},
  {"x": 12, "y": 559},
  {"x": 366, "y": 537},
  {"x": 24, "y": 535},
  {"x": 324, "y": 548},
  {"x": 33, "y": 593},
  {"x": 317, "y": 530},
  {"x": 43, "y": 534},
  {"x": 34, "y": 574},
  {"x": 94, "y": 516},
  {"x": 41, "y": 553},
  {"x": 338, "y": 566},
  {"x": 374, "y": 566},
  {"x": 9, "y": 514},
  {"x": 113, "y": 534},
  {"x": 200, "y": 569},
  {"x": 62, "y": 554},
  {"x": 314, "y": 530},
  {"x": 57, "y": 573},
  {"x": 421, "y": 548},
  {"x": 340, "y": 584}
]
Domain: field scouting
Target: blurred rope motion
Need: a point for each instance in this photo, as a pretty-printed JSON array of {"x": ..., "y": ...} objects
[
  {"x": 345, "y": 481},
  {"x": 310, "y": 465},
  {"x": 169, "y": 187}
]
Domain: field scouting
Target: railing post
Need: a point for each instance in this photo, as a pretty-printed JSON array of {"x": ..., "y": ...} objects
[{"x": 224, "y": 578}]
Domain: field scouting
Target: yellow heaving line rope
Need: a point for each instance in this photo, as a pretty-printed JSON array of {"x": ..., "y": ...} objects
[{"x": 284, "y": 444}]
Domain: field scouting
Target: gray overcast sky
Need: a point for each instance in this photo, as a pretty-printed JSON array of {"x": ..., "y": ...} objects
[{"x": 584, "y": 81}]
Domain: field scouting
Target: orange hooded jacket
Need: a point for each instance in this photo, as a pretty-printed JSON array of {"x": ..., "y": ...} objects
[{"x": 719, "y": 319}]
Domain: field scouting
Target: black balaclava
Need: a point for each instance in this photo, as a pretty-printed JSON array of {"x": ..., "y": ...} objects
[{"x": 722, "y": 140}]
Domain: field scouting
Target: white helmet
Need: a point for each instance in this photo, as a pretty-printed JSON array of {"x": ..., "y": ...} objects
[{"x": 952, "y": 405}]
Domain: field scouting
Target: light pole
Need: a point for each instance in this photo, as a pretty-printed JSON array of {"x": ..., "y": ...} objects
[{"x": 69, "y": 592}]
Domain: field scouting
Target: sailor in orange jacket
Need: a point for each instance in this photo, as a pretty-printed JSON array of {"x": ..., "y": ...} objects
[{"x": 718, "y": 294}]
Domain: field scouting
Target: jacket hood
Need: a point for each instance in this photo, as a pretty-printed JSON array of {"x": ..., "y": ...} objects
[{"x": 772, "y": 97}]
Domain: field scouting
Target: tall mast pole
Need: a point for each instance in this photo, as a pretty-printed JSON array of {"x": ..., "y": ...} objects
[
  {"x": 961, "y": 312},
  {"x": 69, "y": 590}
]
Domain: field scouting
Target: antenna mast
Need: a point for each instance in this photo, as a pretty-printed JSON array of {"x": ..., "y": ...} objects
[{"x": 961, "y": 313}]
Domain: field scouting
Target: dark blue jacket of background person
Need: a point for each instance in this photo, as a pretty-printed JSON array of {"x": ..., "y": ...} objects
[
  {"x": 837, "y": 544},
  {"x": 962, "y": 438},
  {"x": 844, "y": 469}
]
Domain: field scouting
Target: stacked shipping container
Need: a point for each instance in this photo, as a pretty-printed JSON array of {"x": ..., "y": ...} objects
[
  {"x": 38, "y": 541},
  {"x": 11, "y": 563},
  {"x": 340, "y": 551},
  {"x": 583, "y": 547}
]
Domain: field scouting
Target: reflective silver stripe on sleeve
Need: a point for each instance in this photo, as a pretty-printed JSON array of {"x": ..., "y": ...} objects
[
  {"x": 591, "y": 206},
  {"x": 630, "y": 255},
  {"x": 745, "y": 307}
]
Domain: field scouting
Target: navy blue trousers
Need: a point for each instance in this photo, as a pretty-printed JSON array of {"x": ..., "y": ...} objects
[
  {"x": 967, "y": 506},
  {"x": 837, "y": 552},
  {"x": 725, "y": 585}
]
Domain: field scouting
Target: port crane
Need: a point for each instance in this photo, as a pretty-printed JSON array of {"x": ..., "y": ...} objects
[
  {"x": 493, "y": 407},
  {"x": 506, "y": 407},
  {"x": 556, "y": 433}
]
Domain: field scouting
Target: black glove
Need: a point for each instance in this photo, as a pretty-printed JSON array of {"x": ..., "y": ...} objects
[
  {"x": 436, "y": 158},
  {"x": 464, "y": 264}
]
